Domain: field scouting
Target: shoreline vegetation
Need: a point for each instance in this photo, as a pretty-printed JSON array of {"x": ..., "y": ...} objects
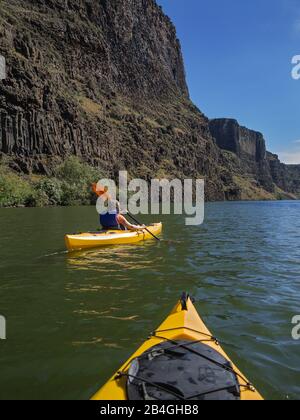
[{"x": 70, "y": 185}]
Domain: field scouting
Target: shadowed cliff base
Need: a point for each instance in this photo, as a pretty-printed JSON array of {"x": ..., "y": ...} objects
[{"x": 105, "y": 81}]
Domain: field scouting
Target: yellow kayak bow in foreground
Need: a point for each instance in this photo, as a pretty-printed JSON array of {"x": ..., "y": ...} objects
[
  {"x": 180, "y": 361},
  {"x": 110, "y": 237}
]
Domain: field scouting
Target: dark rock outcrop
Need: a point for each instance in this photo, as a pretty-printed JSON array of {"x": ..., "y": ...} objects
[
  {"x": 286, "y": 177},
  {"x": 237, "y": 139},
  {"x": 248, "y": 145},
  {"x": 278, "y": 171},
  {"x": 255, "y": 162},
  {"x": 293, "y": 174}
]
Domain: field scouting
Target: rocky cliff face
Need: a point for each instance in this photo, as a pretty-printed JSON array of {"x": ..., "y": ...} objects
[
  {"x": 293, "y": 174},
  {"x": 105, "y": 80},
  {"x": 239, "y": 140},
  {"x": 253, "y": 159},
  {"x": 286, "y": 177}
]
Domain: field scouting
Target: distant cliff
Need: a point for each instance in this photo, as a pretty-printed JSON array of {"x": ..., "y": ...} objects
[
  {"x": 253, "y": 161},
  {"x": 287, "y": 177},
  {"x": 105, "y": 81}
]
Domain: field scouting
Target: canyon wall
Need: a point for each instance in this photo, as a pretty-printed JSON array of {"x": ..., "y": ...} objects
[
  {"x": 105, "y": 81},
  {"x": 254, "y": 160}
]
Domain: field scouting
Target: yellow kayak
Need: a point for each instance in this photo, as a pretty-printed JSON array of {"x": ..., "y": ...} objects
[
  {"x": 110, "y": 237},
  {"x": 181, "y": 360}
]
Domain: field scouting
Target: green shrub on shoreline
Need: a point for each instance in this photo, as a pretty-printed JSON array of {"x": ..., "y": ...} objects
[
  {"x": 70, "y": 185},
  {"x": 14, "y": 191}
]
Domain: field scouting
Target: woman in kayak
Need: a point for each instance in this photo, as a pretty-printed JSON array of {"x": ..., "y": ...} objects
[{"x": 112, "y": 219}]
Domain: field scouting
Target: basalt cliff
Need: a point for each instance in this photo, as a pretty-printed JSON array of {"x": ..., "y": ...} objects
[
  {"x": 104, "y": 80},
  {"x": 258, "y": 172}
]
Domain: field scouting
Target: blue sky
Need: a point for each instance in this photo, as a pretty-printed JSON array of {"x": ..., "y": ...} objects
[{"x": 238, "y": 62}]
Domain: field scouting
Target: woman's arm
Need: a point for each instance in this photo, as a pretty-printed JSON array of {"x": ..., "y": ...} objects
[{"x": 124, "y": 222}]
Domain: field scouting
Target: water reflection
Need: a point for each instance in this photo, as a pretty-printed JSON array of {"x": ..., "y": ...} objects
[{"x": 112, "y": 259}]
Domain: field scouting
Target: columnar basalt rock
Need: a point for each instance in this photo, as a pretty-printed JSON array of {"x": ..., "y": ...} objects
[
  {"x": 255, "y": 161},
  {"x": 105, "y": 80},
  {"x": 240, "y": 140}
]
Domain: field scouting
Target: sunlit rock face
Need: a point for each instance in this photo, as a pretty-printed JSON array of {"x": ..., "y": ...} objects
[{"x": 105, "y": 80}]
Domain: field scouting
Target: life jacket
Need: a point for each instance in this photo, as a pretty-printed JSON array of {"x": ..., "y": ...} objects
[{"x": 109, "y": 220}]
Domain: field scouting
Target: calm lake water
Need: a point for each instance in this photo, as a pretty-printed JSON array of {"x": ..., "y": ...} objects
[{"x": 72, "y": 319}]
